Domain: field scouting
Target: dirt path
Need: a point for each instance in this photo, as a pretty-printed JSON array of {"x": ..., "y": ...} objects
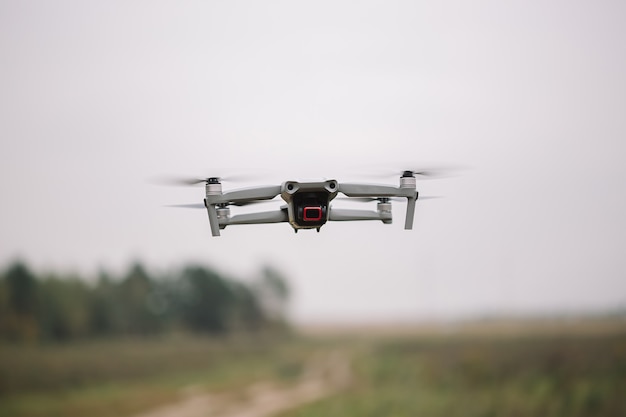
[{"x": 324, "y": 375}]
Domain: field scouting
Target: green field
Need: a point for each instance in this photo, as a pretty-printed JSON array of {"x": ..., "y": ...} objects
[
  {"x": 458, "y": 372},
  {"x": 578, "y": 372},
  {"x": 122, "y": 377}
]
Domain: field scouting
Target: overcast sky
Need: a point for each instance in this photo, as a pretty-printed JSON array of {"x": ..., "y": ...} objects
[{"x": 96, "y": 98}]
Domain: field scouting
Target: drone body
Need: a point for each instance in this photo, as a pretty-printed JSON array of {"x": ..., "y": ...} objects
[{"x": 308, "y": 204}]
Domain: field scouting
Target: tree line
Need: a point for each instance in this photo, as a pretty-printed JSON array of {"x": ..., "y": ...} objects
[{"x": 56, "y": 307}]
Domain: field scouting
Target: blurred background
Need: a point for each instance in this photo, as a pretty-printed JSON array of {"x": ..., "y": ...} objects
[{"x": 521, "y": 102}]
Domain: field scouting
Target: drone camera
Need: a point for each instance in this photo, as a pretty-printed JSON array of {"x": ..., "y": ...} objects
[{"x": 312, "y": 214}]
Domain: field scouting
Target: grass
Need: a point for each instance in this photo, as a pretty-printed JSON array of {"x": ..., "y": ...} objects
[
  {"x": 485, "y": 375},
  {"x": 536, "y": 372},
  {"x": 121, "y": 377}
]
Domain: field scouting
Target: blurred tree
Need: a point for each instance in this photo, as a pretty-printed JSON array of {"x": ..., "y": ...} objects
[
  {"x": 22, "y": 288},
  {"x": 249, "y": 314},
  {"x": 21, "y": 303},
  {"x": 64, "y": 308},
  {"x": 207, "y": 300},
  {"x": 102, "y": 308},
  {"x": 134, "y": 293},
  {"x": 273, "y": 292},
  {"x": 5, "y": 310}
]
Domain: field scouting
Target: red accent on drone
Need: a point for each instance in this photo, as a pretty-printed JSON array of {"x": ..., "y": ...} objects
[{"x": 312, "y": 214}]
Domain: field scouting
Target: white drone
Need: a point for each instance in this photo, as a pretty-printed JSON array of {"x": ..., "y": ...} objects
[{"x": 308, "y": 203}]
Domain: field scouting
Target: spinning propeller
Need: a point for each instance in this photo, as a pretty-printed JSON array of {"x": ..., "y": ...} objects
[
  {"x": 189, "y": 181},
  {"x": 432, "y": 172},
  {"x": 214, "y": 182},
  {"x": 202, "y": 206}
]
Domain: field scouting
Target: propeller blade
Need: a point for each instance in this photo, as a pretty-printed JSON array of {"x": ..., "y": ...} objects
[
  {"x": 201, "y": 205},
  {"x": 188, "y": 181},
  {"x": 175, "y": 181},
  {"x": 430, "y": 173},
  {"x": 191, "y": 206},
  {"x": 427, "y": 171}
]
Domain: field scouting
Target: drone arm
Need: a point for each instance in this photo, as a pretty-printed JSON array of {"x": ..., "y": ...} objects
[
  {"x": 369, "y": 190},
  {"x": 348, "y": 215},
  {"x": 247, "y": 195},
  {"x": 277, "y": 216}
]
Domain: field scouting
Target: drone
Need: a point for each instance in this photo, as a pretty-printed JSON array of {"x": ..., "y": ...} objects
[{"x": 308, "y": 204}]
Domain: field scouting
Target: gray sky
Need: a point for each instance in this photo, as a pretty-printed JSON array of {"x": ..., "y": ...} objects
[{"x": 98, "y": 97}]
